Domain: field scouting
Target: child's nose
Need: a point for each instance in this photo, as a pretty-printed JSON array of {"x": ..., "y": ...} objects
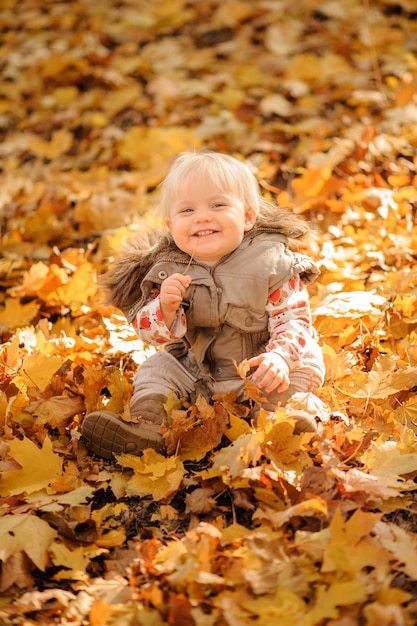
[{"x": 202, "y": 216}]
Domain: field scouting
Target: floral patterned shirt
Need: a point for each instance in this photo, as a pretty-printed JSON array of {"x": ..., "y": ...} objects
[{"x": 289, "y": 322}]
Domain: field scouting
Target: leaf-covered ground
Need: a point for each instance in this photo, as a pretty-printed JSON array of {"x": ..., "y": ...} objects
[{"x": 242, "y": 525}]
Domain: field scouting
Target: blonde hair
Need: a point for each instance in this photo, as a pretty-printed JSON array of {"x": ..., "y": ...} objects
[{"x": 222, "y": 169}]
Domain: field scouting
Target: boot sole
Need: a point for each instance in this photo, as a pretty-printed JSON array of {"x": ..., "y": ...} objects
[{"x": 106, "y": 434}]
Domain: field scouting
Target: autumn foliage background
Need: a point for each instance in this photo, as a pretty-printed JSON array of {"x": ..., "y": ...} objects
[{"x": 239, "y": 525}]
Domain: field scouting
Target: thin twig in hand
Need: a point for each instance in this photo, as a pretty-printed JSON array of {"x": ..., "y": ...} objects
[{"x": 191, "y": 258}]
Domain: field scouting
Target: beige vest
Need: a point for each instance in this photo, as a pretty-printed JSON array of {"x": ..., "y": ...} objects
[{"x": 225, "y": 304}]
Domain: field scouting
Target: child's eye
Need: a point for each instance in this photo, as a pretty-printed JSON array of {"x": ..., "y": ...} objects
[
  {"x": 186, "y": 209},
  {"x": 218, "y": 205}
]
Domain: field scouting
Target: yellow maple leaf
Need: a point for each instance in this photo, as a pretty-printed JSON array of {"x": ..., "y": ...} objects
[
  {"x": 39, "y": 466},
  {"x": 80, "y": 288},
  {"x": 53, "y": 502},
  {"x": 338, "y": 594},
  {"x": 282, "y": 446},
  {"x": 352, "y": 546},
  {"x": 74, "y": 561},
  {"x": 111, "y": 538},
  {"x": 37, "y": 371},
  {"x": 243, "y": 452},
  {"x": 337, "y": 364},
  {"x": 28, "y": 534},
  {"x": 95, "y": 379},
  {"x": 384, "y": 380},
  {"x": 154, "y": 475},
  {"x": 238, "y": 426},
  {"x": 386, "y": 459},
  {"x": 120, "y": 391},
  {"x": 309, "y": 508},
  {"x": 407, "y": 306},
  {"x": 407, "y": 413},
  {"x": 16, "y": 315},
  {"x": 284, "y": 608}
]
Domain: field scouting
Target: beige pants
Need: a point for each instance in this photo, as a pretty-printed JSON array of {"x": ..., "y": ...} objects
[{"x": 163, "y": 374}]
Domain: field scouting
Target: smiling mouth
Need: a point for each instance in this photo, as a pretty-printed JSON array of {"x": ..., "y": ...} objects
[{"x": 204, "y": 233}]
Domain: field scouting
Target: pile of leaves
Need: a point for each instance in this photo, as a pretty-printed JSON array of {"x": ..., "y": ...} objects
[{"x": 239, "y": 524}]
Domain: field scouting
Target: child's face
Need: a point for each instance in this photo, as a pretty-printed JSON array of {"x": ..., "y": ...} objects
[{"x": 208, "y": 222}]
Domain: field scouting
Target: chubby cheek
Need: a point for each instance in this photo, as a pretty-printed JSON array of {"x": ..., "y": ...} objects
[{"x": 177, "y": 231}]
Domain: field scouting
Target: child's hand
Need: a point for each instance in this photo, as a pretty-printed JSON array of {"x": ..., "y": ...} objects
[
  {"x": 272, "y": 372},
  {"x": 171, "y": 295}
]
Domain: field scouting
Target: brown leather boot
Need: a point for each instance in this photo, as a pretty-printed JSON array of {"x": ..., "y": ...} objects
[{"x": 107, "y": 434}]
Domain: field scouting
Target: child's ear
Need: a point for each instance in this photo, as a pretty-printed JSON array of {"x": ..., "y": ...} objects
[{"x": 250, "y": 217}]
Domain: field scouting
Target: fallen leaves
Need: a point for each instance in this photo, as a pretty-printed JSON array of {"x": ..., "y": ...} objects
[
  {"x": 38, "y": 467},
  {"x": 242, "y": 522},
  {"x": 153, "y": 474},
  {"x": 195, "y": 431},
  {"x": 28, "y": 534}
]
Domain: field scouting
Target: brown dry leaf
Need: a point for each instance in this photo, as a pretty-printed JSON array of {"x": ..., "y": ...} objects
[
  {"x": 16, "y": 571},
  {"x": 55, "y": 411},
  {"x": 252, "y": 392},
  {"x": 28, "y": 534},
  {"x": 198, "y": 430},
  {"x": 200, "y": 501},
  {"x": 179, "y": 609},
  {"x": 95, "y": 380}
]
